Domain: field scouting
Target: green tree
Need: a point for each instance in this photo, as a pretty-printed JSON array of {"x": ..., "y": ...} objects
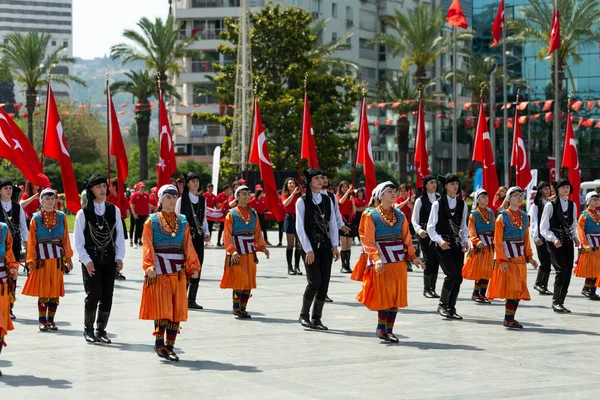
[
  {"x": 29, "y": 58},
  {"x": 7, "y": 88},
  {"x": 142, "y": 85},
  {"x": 279, "y": 68}
]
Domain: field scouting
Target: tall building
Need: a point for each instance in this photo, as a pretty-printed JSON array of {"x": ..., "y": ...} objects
[{"x": 54, "y": 17}]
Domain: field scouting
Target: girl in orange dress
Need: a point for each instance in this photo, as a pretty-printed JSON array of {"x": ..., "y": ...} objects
[
  {"x": 168, "y": 254},
  {"x": 480, "y": 259},
  {"x": 9, "y": 268},
  {"x": 588, "y": 230},
  {"x": 242, "y": 239},
  {"x": 513, "y": 252},
  {"x": 49, "y": 255},
  {"x": 387, "y": 241}
]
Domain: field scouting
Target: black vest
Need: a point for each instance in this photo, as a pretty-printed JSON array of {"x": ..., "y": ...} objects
[
  {"x": 445, "y": 216},
  {"x": 540, "y": 211},
  {"x": 106, "y": 254},
  {"x": 14, "y": 225},
  {"x": 425, "y": 210},
  {"x": 560, "y": 224},
  {"x": 317, "y": 229},
  {"x": 188, "y": 209}
]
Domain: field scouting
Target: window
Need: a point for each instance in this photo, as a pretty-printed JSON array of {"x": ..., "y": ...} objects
[
  {"x": 371, "y": 73},
  {"x": 205, "y": 65},
  {"x": 316, "y": 6},
  {"x": 295, "y": 3},
  {"x": 334, "y": 10},
  {"x": 65, "y": 44},
  {"x": 5, "y": 41},
  {"x": 54, "y": 43},
  {"x": 202, "y": 94},
  {"x": 333, "y": 36}
]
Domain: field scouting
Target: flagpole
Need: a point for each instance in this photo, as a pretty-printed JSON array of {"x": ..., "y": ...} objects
[
  {"x": 454, "y": 113},
  {"x": 363, "y": 104},
  {"x": 252, "y": 131},
  {"x": 505, "y": 101},
  {"x": 45, "y": 119},
  {"x": 299, "y": 165},
  {"x": 108, "y": 122},
  {"x": 557, "y": 154},
  {"x": 475, "y": 137}
]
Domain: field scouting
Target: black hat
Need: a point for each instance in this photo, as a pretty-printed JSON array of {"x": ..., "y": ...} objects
[
  {"x": 190, "y": 176},
  {"x": 309, "y": 174},
  {"x": 562, "y": 182},
  {"x": 427, "y": 179},
  {"x": 448, "y": 178},
  {"x": 5, "y": 182},
  {"x": 94, "y": 180},
  {"x": 538, "y": 194}
]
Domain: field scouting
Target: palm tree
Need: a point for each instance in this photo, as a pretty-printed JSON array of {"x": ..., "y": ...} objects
[
  {"x": 29, "y": 58},
  {"x": 142, "y": 85},
  {"x": 160, "y": 45},
  {"x": 417, "y": 34},
  {"x": 321, "y": 54},
  {"x": 579, "y": 29},
  {"x": 400, "y": 89}
]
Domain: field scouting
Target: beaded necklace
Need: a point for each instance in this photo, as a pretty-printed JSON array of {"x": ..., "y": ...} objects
[
  {"x": 245, "y": 214},
  {"x": 49, "y": 219},
  {"x": 388, "y": 216},
  {"x": 173, "y": 229},
  {"x": 516, "y": 218},
  {"x": 484, "y": 214},
  {"x": 595, "y": 216}
]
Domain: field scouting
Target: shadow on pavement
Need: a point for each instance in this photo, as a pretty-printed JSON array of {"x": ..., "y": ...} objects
[
  {"x": 226, "y": 312},
  {"x": 268, "y": 320},
  {"x": 556, "y": 331},
  {"x": 437, "y": 346},
  {"x": 498, "y": 322},
  {"x": 199, "y": 365},
  {"x": 31, "y": 381},
  {"x": 35, "y": 322}
]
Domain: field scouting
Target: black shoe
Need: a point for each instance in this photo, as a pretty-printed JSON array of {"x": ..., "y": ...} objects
[
  {"x": 162, "y": 353},
  {"x": 102, "y": 338},
  {"x": 52, "y": 326},
  {"x": 594, "y": 297},
  {"x": 455, "y": 315},
  {"x": 171, "y": 356},
  {"x": 586, "y": 293},
  {"x": 66, "y": 272},
  {"x": 241, "y": 314},
  {"x": 409, "y": 267},
  {"x": 89, "y": 336},
  {"x": 383, "y": 335},
  {"x": 43, "y": 328},
  {"x": 12, "y": 316},
  {"x": 546, "y": 292},
  {"x": 192, "y": 305},
  {"x": 485, "y": 300},
  {"x": 434, "y": 294},
  {"x": 298, "y": 272},
  {"x": 346, "y": 270},
  {"x": 427, "y": 293},
  {"x": 539, "y": 288},
  {"x": 559, "y": 308},
  {"x": 291, "y": 271},
  {"x": 305, "y": 322},
  {"x": 443, "y": 311},
  {"x": 318, "y": 325},
  {"x": 328, "y": 300},
  {"x": 392, "y": 338},
  {"x": 477, "y": 299},
  {"x": 514, "y": 324},
  {"x": 120, "y": 277}
]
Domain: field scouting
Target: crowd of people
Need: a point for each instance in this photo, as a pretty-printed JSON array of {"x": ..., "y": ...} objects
[{"x": 394, "y": 226}]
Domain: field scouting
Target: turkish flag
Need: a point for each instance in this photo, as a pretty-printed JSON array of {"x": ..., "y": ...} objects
[
  {"x": 15, "y": 147},
  {"x": 117, "y": 148},
  {"x": 571, "y": 161},
  {"x": 309, "y": 148},
  {"x": 519, "y": 156},
  {"x": 555, "y": 32},
  {"x": 421, "y": 158},
  {"x": 167, "y": 164},
  {"x": 364, "y": 151},
  {"x": 455, "y": 16},
  {"x": 259, "y": 155},
  {"x": 483, "y": 152},
  {"x": 55, "y": 147},
  {"x": 498, "y": 25}
]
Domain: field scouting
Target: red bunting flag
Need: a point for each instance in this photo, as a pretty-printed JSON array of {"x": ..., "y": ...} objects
[
  {"x": 571, "y": 161},
  {"x": 519, "y": 157},
  {"x": 483, "y": 152},
  {"x": 364, "y": 151},
  {"x": 421, "y": 158},
  {"x": 498, "y": 25},
  {"x": 309, "y": 148},
  {"x": 167, "y": 163}
]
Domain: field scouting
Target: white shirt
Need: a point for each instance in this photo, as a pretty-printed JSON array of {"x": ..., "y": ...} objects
[
  {"x": 414, "y": 220},
  {"x": 23, "y": 228},
  {"x": 534, "y": 232},
  {"x": 433, "y": 220},
  {"x": 317, "y": 198},
  {"x": 194, "y": 199},
  {"x": 336, "y": 207},
  {"x": 99, "y": 210},
  {"x": 547, "y": 215}
]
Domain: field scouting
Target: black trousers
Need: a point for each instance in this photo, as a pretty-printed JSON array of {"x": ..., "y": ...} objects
[
  {"x": 139, "y": 227},
  {"x": 429, "y": 256},
  {"x": 263, "y": 225},
  {"x": 451, "y": 261},
  {"x": 124, "y": 229},
  {"x": 100, "y": 287},
  {"x": 131, "y": 227},
  {"x": 562, "y": 261},
  {"x": 198, "y": 242},
  {"x": 544, "y": 268},
  {"x": 318, "y": 274},
  {"x": 210, "y": 226}
]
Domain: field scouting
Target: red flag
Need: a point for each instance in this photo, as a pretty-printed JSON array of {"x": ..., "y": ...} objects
[
  {"x": 260, "y": 155},
  {"x": 15, "y": 147},
  {"x": 571, "y": 161},
  {"x": 483, "y": 153},
  {"x": 117, "y": 148},
  {"x": 498, "y": 25},
  {"x": 364, "y": 152},
  {"x": 309, "y": 148},
  {"x": 167, "y": 164},
  {"x": 555, "y": 32},
  {"x": 455, "y": 16},
  {"x": 55, "y": 147},
  {"x": 421, "y": 158},
  {"x": 519, "y": 157}
]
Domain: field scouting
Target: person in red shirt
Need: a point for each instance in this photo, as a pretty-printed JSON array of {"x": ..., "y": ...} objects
[
  {"x": 346, "y": 204},
  {"x": 140, "y": 208},
  {"x": 499, "y": 199},
  {"x": 123, "y": 205},
  {"x": 154, "y": 196},
  {"x": 223, "y": 204},
  {"x": 259, "y": 205},
  {"x": 290, "y": 193},
  {"x": 405, "y": 203},
  {"x": 360, "y": 205},
  {"x": 30, "y": 200},
  {"x": 211, "y": 203}
]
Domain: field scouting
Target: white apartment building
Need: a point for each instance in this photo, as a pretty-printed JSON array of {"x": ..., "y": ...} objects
[{"x": 54, "y": 17}]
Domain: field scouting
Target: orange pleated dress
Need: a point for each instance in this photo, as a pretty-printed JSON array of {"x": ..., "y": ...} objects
[
  {"x": 8, "y": 264},
  {"x": 168, "y": 249},
  {"x": 588, "y": 230},
  {"x": 363, "y": 259},
  {"x": 392, "y": 244},
  {"x": 242, "y": 234},
  {"x": 480, "y": 261},
  {"x": 512, "y": 246},
  {"x": 48, "y": 250}
]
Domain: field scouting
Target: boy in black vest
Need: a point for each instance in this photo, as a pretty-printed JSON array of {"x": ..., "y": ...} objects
[
  {"x": 420, "y": 216},
  {"x": 535, "y": 217},
  {"x": 100, "y": 244},
  {"x": 317, "y": 230},
  {"x": 559, "y": 227},
  {"x": 13, "y": 215},
  {"x": 447, "y": 227},
  {"x": 193, "y": 205}
]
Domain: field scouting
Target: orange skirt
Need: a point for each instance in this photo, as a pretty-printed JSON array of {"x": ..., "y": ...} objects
[
  {"x": 360, "y": 268},
  {"x": 588, "y": 265},
  {"x": 479, "y": 265},
  {"x": 47, "y": 281},
  {"x": 166, "y": 298},
  {"x": 241, "y": 276},
  {"x": 385, "y": 290},
  {"x": 5, "y": 321},
  {"x": 511, "y": 284}
]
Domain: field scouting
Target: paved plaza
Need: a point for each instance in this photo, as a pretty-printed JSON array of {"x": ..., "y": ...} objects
[{"x": 271, "y": 356}]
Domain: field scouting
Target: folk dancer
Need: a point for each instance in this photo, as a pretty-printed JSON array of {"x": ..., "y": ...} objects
[
  {"x": 9, "y": 269},
  {"x": 588, "y": 229},
  {"x": 48, "y": 256},
  {"x": 513, "y": 252},
  {"x": 168, "y": 254}
]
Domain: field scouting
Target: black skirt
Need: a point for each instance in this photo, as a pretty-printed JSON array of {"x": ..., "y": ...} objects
[{"x": 289, "y": 225}]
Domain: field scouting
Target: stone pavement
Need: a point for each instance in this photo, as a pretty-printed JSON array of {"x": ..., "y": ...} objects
[{"x": 271, "y": 356}]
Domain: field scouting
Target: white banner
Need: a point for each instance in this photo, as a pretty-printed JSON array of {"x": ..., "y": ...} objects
[
  {"x": 529, "y": 189},
  {"x": 215, "y": 166}
]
